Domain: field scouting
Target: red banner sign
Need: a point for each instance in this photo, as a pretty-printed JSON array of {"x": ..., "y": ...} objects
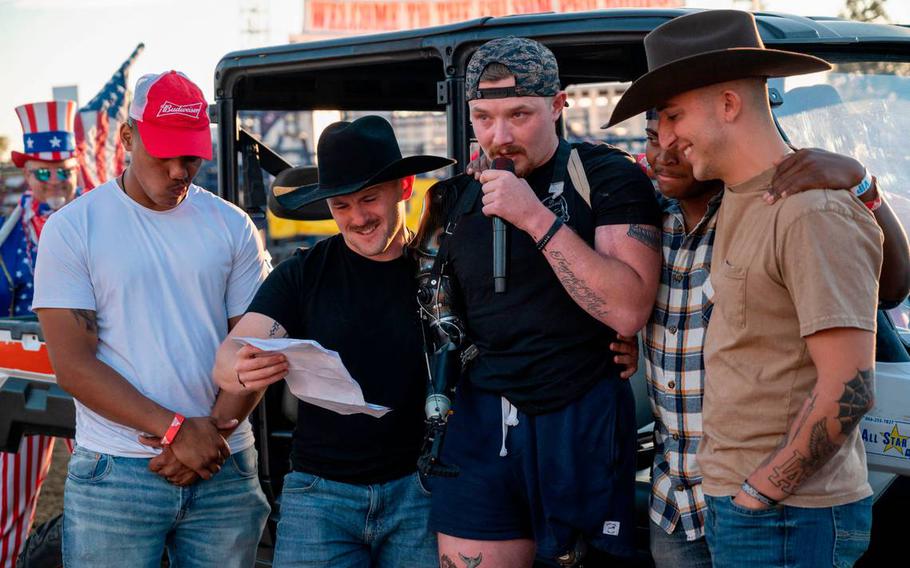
[{"x": 380, "y": 15}]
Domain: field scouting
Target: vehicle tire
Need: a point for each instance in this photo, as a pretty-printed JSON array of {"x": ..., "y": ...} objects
[{"x": 44, "y": 548}]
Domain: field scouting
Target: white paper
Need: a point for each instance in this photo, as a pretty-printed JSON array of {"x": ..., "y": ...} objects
[{"x": 317, "y": 375}]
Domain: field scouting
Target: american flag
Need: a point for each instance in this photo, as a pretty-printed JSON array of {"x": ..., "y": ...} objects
[{"x": 100, "y": 154}]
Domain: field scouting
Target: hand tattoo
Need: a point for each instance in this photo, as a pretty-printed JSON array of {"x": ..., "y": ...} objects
[{"x": 646, "y": 235}]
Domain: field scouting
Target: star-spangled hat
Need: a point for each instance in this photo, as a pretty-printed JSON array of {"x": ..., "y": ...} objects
[{"x": 47, "y": 132}]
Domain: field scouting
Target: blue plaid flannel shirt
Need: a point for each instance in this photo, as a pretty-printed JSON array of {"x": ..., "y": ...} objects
[{"x": 673, "y": 343}]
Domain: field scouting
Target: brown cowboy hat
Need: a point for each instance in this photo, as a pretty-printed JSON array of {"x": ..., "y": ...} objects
[{"x": 705, "y": 48}]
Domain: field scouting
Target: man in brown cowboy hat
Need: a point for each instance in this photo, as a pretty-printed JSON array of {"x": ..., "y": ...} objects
[
  {"x": 673, "y": 340},
  {"x": 789, "y": 348},
  {"x": 353, "y": 497}
]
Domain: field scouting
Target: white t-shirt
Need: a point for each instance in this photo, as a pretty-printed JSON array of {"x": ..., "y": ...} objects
[{"x": 163, "y": 285}]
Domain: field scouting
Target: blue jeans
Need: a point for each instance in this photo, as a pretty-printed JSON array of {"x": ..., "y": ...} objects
[
  {"x": 787, "y": 537},
  {"x": 674, "y": 551},
  {"x": 118, "y": 513},
  {"x": 330, "y": 523}
]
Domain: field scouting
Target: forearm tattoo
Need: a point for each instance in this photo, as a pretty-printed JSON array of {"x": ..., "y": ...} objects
[
  {"x": 798, "y": 468},
  {"x": 856, "y": 400},
  {"x": 577, "y": 289},
  {"x": 274, "y": 330},
  {"x": 852, "y": 406},
  {"x": 646, "y": 235},
  {"x": 86, "y": 319}
]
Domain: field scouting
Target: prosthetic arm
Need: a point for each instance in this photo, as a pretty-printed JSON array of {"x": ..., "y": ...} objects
[{"x": 443, "y": 330}]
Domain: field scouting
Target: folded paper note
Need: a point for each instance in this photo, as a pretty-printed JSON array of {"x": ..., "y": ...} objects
[{"x": 317, "y": 375}]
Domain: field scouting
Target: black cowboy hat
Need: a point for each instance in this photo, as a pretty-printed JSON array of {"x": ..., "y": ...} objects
[
  {"x": 705, "y": 48},
  {"x": 353, "y": 156}
]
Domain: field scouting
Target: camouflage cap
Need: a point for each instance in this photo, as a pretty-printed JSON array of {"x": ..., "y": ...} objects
[{"x": 534, "y": 66}]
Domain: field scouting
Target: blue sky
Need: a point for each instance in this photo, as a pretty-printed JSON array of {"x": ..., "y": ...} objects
[{"x": 48, "y": 43}]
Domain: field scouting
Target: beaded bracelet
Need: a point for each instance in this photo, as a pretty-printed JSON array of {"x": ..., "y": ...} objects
[{"x": 757, "y": 495}]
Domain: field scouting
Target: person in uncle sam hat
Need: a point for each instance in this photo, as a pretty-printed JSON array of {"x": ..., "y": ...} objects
[
  {"x": 49, "y": 165},
  {"x": 789, "y": 349},
  {"x": 137, "y": 283}
]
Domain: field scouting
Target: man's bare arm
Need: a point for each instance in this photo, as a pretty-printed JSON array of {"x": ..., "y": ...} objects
[
  {"x": 237, "y": 405},
  {"x": 894, "y": 282},
  {"x": 72, "y": 343},
  {"x": 239, "y": 370},
  {"x": 842, "y": 395},
  {"x": 616, "y": 282}
]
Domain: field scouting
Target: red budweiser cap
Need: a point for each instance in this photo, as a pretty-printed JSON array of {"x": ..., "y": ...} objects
[{"x": 172, "y": 116}]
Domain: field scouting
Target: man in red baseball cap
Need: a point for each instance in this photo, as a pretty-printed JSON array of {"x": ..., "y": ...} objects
[
  {"x": 138, "y": 283},
  {"x": 168, "y": 125},
  {"x": 171, "y": 114}
]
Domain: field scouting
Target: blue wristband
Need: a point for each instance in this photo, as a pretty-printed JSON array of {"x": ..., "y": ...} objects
[{"x": 863, "y": 186}]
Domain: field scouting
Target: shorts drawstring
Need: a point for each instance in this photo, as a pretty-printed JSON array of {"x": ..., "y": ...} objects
[{"x": 509, "y": 418}]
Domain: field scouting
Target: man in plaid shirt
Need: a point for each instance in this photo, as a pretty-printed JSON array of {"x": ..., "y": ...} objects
[{"x": 674, "y": 337}]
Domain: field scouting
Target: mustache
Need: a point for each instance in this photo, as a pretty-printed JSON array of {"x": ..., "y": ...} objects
[
  {"x": 365, "y": 227},
  {"x": 510, "y": 149}
]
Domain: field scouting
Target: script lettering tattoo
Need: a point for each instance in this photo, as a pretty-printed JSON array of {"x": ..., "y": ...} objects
[
  {"x": 798, "y": 468},
  {"x": 446, "y": 562},
  {"x": 646, "y": 235},
  {"x": 471, "y": 562},
  {"x": 583, "y": 296},
  {"x": 87, "y": 319},
  {"x": 856, "y": 400}
]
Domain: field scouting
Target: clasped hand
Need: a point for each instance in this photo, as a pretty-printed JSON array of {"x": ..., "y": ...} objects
[{"x": 198, "y": 450}]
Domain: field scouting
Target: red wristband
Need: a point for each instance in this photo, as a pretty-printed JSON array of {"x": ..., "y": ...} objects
[
  {"x": 875, "y": 204},
  {"x": 172, "y": 430}
]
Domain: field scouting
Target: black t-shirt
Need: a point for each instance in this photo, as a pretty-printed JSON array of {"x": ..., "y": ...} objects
[
  {"x": 538, "y": 348},
  {"x": 367, "y": 312}
]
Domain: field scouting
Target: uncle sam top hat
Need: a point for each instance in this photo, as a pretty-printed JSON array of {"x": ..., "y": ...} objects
[{"x": 47, "y": 132}]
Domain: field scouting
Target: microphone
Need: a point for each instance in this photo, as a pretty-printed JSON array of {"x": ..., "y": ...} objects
[{"x": 499, "y": 236}]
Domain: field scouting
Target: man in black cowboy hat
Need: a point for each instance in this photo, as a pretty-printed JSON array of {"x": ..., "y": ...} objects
[
  {"x": 543, "y": 430},
  {"x": 790, "y": 345},
  {"x": 353, "y": 497}
]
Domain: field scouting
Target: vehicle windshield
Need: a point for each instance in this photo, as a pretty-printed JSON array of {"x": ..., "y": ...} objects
[{"x": 861, "y": 109}]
